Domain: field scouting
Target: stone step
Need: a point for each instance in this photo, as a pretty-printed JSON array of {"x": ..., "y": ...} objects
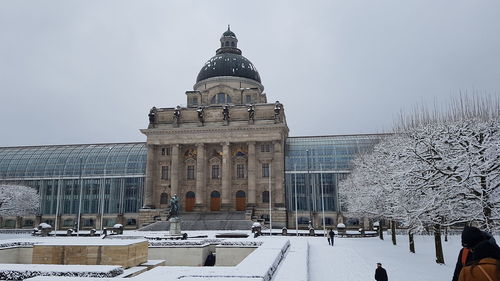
[{"x": 202, "y": 225}]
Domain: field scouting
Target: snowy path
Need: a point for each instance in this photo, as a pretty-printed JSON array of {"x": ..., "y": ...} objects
[{"x": 354, "y": 259}]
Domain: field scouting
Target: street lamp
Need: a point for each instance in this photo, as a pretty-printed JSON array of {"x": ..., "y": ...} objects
[
  {"x": 322, "y": 199},
  {"x": 308, "y": 190},
  {"x": 80, "y": 200},
  {"x": 295, "y": 190},
  {"x": 270, "y": 204}
]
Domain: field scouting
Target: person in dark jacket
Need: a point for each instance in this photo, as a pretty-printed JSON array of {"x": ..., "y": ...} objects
[
  {"x": 380, "y": 273},
  {"x": 470, "y": 236},
  {"x": 331, "y": 235},
  {"x": 210, "y": 261},
  {"x": 484, "y": 254},
  {"x": 464, "y": 257}
]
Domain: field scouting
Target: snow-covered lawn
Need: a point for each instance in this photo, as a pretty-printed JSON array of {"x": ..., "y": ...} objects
[{"x": 354, "y": 259}]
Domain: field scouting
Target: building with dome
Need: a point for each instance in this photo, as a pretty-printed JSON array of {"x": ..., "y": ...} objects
[
  {"x": 227, "y": 151},
  {"x": 222, "y": 151}
]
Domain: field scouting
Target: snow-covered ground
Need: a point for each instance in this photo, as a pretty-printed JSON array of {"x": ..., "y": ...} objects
[{"x": 354, "y": 259}]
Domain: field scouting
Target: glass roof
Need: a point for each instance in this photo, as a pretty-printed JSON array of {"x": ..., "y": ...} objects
[
  {"x": 327, "y": 153},
  {"x": 53, "y": 161}
]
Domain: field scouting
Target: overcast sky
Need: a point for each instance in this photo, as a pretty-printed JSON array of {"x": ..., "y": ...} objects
[{"x": 89, "y": 71}]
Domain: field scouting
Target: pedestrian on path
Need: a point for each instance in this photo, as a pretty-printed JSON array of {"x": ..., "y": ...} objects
[
  {"x": 331, "y": 236},
  {"x": 380, "y": 273}
]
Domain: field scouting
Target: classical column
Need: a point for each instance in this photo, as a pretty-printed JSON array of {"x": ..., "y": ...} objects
[
  {"x": 200, "y": 173},
  {"x": 226, "y": 173},
  {"x": 150, "y": 174},
  {"x": 251, "y": 174},
  {"x": 174, "y": 179},
  {"x": 278, "y": 164}
]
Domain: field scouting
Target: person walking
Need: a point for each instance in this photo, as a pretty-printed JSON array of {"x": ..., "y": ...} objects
[
  {"x": 331, "y": 235},
  {"x": 485, "y": 264},
  {"x": 380, "y": 273}
]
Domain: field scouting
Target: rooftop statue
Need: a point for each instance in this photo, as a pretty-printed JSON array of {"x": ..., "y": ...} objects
[{"x": 225, "y": 113}]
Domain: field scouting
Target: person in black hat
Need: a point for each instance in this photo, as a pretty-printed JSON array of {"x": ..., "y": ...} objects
[
  {"x": 484, "y": 261},
  {"x": 470, "y": 236},
  {"x": 381, "y": 273}
]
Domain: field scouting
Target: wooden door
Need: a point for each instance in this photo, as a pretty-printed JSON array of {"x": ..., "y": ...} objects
[
  {"x": 240, "y": 200},
  {"x": 190, "y": 201},
  {"x": 215, "y": 201}
]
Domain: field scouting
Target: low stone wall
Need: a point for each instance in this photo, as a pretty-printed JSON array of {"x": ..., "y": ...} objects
[
  {"x": 124, "y": 253},
  {"x": 231, "y": 255},
  {"x": 185, "y": 255},
  {"x": 21, "y": 255}
]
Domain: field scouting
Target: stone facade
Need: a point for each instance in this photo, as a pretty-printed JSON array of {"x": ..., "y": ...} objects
[{"x": 223, "y": 152}]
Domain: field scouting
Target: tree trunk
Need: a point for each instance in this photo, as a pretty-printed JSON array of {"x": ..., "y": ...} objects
[
  {"x": 393, "y": 232},
  {"x": 381, "y": 232},
  {"x": 411, "y": 241},
  {"x": 446, "y": 234},
  {"x": 437, "y": 243}
]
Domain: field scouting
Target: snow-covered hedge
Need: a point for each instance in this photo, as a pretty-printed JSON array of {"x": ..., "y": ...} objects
[
  {"x": 176, "y": 243},
  {"x": 241, "y": 243},
  {"x": 16, "y": 244},
  {"x": 21, "y": 271}
]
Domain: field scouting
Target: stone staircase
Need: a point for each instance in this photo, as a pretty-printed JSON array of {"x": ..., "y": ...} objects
[{"x": 206, "y": 221}]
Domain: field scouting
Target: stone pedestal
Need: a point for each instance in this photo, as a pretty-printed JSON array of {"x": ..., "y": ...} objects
[{"x": 175, "y": 226}]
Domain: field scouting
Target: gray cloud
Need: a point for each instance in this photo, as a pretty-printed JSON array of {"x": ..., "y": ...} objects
[{"x": 88, "y": 71}]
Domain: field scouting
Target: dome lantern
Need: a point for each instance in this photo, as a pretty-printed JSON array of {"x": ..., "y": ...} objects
[{"x": 228, "y": 43}]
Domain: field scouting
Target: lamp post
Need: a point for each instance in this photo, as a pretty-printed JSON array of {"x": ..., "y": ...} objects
[
  {"x": 295, "y": 190},
  {"x": 80, "y": 200},
  {"x": 308, "y": 190},
  {"x": 322, "y": 200},
  {"x": 58, "y": 202},
  {"x": 270, "y": 204}
]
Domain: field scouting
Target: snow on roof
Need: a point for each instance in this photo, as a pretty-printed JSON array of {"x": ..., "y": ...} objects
[
  {"x": 59, "y": 267},
  {"x": 85, "y": 241}
]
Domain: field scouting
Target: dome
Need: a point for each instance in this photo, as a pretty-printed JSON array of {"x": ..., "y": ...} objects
[
  {"x": 228, "y": 64},
  {"x": 228, "y": 33},
  {"x": 228, "y": 61}
]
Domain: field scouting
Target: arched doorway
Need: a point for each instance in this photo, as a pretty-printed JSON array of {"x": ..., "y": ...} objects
[
  {"x": 190, "y": 200},
  {"x": 163, "y": 199},
  {"x": 215, "y": 201},
  {"x": 240, "y": 200}
]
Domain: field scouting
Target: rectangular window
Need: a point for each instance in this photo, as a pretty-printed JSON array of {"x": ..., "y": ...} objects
[
  {"x": 215, "y": 171},
  {"x": 195, "y": 101},
  {"x": 164, "y": 173},
  {"x": 265, "y": 170},
  {"x": 240, "y": 171},
  {"x": 165, "y": 151},
  {"x": 248, "y": 99},
  {"x": 265, "y": 147},
  {"x": 190, "y": 172}
]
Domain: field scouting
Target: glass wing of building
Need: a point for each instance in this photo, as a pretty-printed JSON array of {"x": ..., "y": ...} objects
[
  {"x": 315, "y": 165},
  {"x": 109, "y": 177}
]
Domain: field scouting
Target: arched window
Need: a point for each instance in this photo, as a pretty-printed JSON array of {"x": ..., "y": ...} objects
[
  {"x": 190, "y": 194},
  {"x": 240, "y": 194},
  {"x": 265, "y": 197},
  {"x": 164, "y": 198},
  {"x": 215, "y": 194},
  {"x": 232, "y": 44},
  {"x": 227, "y": 43},
  {"x": 221, "y": 98}
]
